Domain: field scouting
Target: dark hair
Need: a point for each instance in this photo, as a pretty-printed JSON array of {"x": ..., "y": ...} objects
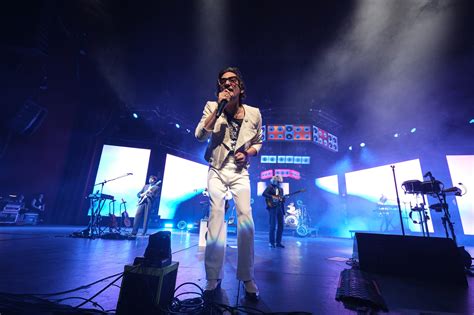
[
  {"x": 238, "y": 74},
  {"x": 154, "y": 177}
]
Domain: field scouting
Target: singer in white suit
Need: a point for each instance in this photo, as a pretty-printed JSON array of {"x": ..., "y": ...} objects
[{"x": 235, "y": 133}]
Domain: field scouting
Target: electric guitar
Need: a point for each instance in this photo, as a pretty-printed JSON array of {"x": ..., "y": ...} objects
[
  {"x": 276, "y": 200},
  {"x": 144, "y": 196}
]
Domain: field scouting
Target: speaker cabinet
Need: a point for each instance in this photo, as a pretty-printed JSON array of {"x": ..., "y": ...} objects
[
  {"x": 146, "y": 290},
  {"x": 159, "y": 249},
  {"x": 430, "y": 259}
]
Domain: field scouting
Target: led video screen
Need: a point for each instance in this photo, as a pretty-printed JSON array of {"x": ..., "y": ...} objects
[
  {"x": 328, "y": 183},
  {"x": 184, "y": 182},
  {"x": 461, "y": 168},
  {"x": 372, "y": 200},
  {"x": 114, "y": 165}
]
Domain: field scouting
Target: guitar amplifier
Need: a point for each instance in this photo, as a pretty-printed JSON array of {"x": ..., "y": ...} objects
[
  {"x": 147, "y": 290},
  {"x": 8, "y": 217},
  {"x": 29, "y": 218},
  {"x": 10, "y": 213}
]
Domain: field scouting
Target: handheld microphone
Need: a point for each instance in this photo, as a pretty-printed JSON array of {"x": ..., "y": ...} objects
[{"x": 221, "y": 107}]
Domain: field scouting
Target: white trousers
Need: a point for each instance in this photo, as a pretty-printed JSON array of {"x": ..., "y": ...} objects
[{"x": 218, "y": 182}]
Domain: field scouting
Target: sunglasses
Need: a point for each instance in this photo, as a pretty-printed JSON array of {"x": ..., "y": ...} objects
[{"x": 232, "y": 80}]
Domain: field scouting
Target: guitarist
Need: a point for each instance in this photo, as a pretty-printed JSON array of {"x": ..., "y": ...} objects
[
  {"x": 146, "y": 197},
  {"x": 275, "y": 205}
]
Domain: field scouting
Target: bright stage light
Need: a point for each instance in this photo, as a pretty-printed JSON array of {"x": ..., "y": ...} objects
[
  {"x": 190, "y": 226},
  {"x": 413, "y": 130},
  {"x": 168, "y": 225},
  {"x": 115, "y": 161},
  {"x": 135, "y": 115},
  {"x": 177, "y": 125},
  {"x": 471, "y": 121},
  {"x": 366, "y": 186},
  {"x": 362, "y": 144},
  {"x": 461, "y": 168},
  {"x": 350, "y": 148},
  {"x": 183, "y": 180},
  {"x": 396, "y": 135}
]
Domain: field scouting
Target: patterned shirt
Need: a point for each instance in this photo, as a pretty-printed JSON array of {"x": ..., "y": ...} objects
[{"x": 234, "y": 129}]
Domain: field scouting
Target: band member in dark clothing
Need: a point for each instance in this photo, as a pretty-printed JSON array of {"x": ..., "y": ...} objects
[
  {"x": 146, "y": 197},
  {"x": 38, "y": 206},
  {"x": 275, "y": 205}
]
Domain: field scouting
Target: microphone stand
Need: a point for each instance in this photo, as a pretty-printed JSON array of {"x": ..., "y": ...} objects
[
  {"x": 398, "y": 199},
  {"x": 111, "y": 180}
]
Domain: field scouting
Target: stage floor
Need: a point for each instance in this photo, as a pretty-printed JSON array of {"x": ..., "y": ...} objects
[{"x": 301, "y": 277}]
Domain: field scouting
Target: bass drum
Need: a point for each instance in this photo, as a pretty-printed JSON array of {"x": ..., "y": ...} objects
[
  {"x": 302, "y": 231},
  {"x": 291, "y": 220},
  {"x": 291, "y": 209}
]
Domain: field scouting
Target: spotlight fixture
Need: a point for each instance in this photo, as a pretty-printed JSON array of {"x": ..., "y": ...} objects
[
  {"x": 413, "y": 130},
  {"x": 190, "y": 226},
  {"x": 168, "y": 225},
  {"x": 135, "y": 115},
  {"x": 362, "y": 144},
  {"x": 177, "y": 125},
  {"x": 396, "y": 135},
  {"x": 471, "y": 121},
  {"x": 350, "y": 148}
]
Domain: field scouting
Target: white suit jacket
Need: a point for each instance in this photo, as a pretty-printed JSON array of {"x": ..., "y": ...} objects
[{"x": 250, "y": 134}]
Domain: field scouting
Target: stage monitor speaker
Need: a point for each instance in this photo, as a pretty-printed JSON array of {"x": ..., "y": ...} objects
[
  {"x": 147, "y": 290},
  {"x": 429, "y": 259},
  {"x": 158, "y": 251}
]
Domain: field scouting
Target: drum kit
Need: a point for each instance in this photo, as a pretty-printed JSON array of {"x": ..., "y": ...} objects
[
  {"x": 297, "y": 218},
  {"x": 291, "y": 215},
  {"x": 435, "y": 189}
]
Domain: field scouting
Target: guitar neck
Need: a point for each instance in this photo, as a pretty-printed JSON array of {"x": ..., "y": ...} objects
[{"x": 294, "y": 193}]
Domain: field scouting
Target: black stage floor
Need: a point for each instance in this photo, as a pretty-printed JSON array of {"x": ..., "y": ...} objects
[{"x": 301, "y": 277}]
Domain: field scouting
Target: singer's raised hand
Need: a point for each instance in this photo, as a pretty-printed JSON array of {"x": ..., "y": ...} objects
[{"x": 225, "y": 95}]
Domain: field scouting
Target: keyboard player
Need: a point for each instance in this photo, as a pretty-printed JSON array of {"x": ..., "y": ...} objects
[{"x": 386, "y": 212}]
